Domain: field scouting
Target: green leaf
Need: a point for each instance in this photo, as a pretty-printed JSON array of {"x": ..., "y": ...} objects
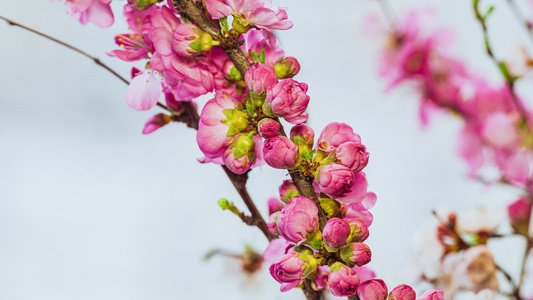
[
  {"x": 505, "y": 72},
  {"x": 224, "y": 24},
  {"x": 262, "y": 55},
  {"x": 489, "y": 11},
  {"x": 255, "y": 56}
]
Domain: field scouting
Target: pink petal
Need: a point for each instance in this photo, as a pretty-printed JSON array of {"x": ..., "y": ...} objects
[{"x": 144, "y": 91}]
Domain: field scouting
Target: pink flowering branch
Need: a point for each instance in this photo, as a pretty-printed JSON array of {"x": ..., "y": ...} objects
[
  {"x": 190, "y": 118},
  {"x": 509, "y": 78}
]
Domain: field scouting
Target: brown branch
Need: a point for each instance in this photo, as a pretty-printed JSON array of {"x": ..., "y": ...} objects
[{"x": 509, "y": 278}]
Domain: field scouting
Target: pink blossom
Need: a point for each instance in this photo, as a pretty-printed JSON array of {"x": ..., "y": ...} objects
[
  {"x": 212, "y": 133},
  {"x": 402, "y": 292},
  {"x": 287, "y": 67},
  {"x": 292, "y": 268},
  {"x": 297, "y": 218},
  {"x": 184, "y": 35},
  {"x": 374, "y": 289},
  {"x": 335, "y": 134},
  {"x": 303, "y": 134},
  {"x": 257, "y": 13},
  {"x": 256, "y": 40},
  {"x": 268, "y": 128},
  {"x": 356, "y": 253},
  {"x": 342, "y": 281},
  {"x": 359, "y": 231},
  {"x": 238, "y": 165},
  {"x": 272, "y": 223},
  {"x": 137, "y": 44},
  {"x": 281, "y": 153},
  {"x": 260, "y": 78},
  {"x": 289, "y": 100},
  {"x": 144, "y": 91},
  {"x": 156, "y": 122},
  {"x": 500, "y": 130},
  {"x": 336, "y": 232},
  {"x": 432, "y": 295},
  {"x": 356, "y": 211},
  {"x": 97, "y": 12},
  {"x": 335, "y": 180},
  {"x": 275, "y": 250},
  {"x": 352, "y": 155}
]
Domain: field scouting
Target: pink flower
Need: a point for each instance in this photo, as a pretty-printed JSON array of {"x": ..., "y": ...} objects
[
  {"x": 356, "y": 253},
  {"x": 256, "y": 13},
  {"x": 260, "y": 78},
  {"x": 256, "y": 40},
  {"x": 297, "y": 218},
  {"x": 287, "y": 67},
  {"x": 272, "y": 223},
  {"x": 342, "y": 280},
  {"x": 359, "y": 231},
  {"x": 212, "y": 133},
  {"x": 144, "y": 91},
  {"x": 336, "y": 232},
  {"x": 137, "y": 44},
  {"x": 289, "y": 100},
  {"x": 335, "y": 134},
  {"x": 275, "y": 250},
  {"x": 241, "y": 164},
  {"x": 335, "y": 180},
  {"x": 268, "y": 128},
  {"x": 500, "y": 130},
  {"x": 97, "y": 12},
  {"x": 292, "y": 268},
  {"x": 281, "y": 153},
  {"x": 352, "y": 155},
  {"x": 402, "y": 292},
  {"x": 302, "y": 134},
  {"x": 432, "y": 295},
  {"x": 184, "y": 37},
  {"x": 156, "y": 122},
  {"x": 374, "y": 289},
  {"x": 519, "y": 214}
]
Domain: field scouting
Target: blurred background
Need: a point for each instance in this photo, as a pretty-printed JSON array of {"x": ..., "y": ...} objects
[{"x": 92, "y": 209}]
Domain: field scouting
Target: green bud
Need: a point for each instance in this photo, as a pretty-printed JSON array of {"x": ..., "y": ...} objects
[
  {"x": 336, "y": 267},
  {"x": 311, "y": 264},
  {"x": 235, "y": 74},
  {"x": 332, "y": 208},
  {"x": 237, "y": 119},
  {"x": 239, "y": 25},
  {"x": 243, "y": 145},
  {"x": 303, "y": 250},
  {"x": 226, "y": 205}
]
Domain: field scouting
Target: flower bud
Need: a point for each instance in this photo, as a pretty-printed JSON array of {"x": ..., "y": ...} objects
[
  {"x": 352, "y": 155},
  {"x": 297, "y": 218},
  {"x": 240, "y": 25},
  {"x": 287, "y": 67},
  {"x": 432, "y": 295},
  {"x": 289, "y": 100},
  {"x": 239, "y": 164},
  {"x": 335, "y": 134},
  {"x": 402, "y": 292},
  {"x": 268, "y": 128},
  {"x": 359, "y": 232},
  {"x": 291, "y": 268},
  {"x": 156, "y": 122},
  {"x": 342, "y": 280},
  {"x": 226, "y": 205},
  {"x": 287, "y": 190},
  {"x": 281, "y": 153},
  {"x": 519, "y": 214},
  {"x": 356, "y": 253},
  {"x": 274, "y": 205},
  {"x": 373, "y": 289},
  {"x": 189, "y": 40},
  {"x": 336, "y": 232},
  {"x": 335, "y": 180},
  {"x": 302, "y": 134},
  {"x": 272, "y": 226},
  {"x": 260, "y": 78},
  {"x": 243, "y": 146},
  {"x": 230, "y": 71}
]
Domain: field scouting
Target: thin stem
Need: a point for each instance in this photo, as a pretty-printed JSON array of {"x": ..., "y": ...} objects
[
  {"x": 521, "y": 18},
  {"x": 94, "y": 59},
  {"x": 508, "y": 277},
  {"x": 509, "y": 78}
]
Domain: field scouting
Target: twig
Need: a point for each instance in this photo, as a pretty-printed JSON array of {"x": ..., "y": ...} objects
[
  {"x": 94, "y": 59},
  {"x": 508, "y": 277}
]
